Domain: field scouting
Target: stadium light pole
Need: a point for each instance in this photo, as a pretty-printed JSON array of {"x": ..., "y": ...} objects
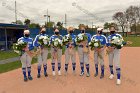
[{"x": 15, "y": 12}]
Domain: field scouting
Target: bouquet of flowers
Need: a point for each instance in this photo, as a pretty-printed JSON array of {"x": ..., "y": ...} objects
[
  {"x": 80, "y": 38},
  {"x": 117, "y": 42},
  {"x": 44, "y": 41},
  {"x": 67, "y": 39},
  {"x": 19, "y": 46},
  {"x": 57, "y": 43},
  {"x": 95, "y": 44}
]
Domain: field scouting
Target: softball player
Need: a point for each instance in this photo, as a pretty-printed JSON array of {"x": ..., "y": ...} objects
[
  {"x": 42, "y": 57},
  {"x": 57, "y": 51},
  {"x": 25, "y": 58},
  {"x": 84, "y": 56},
  {"x": 99, "y": 52},
  {"x": 70, "y": 51},
  {"x": 114, "y": 56}
]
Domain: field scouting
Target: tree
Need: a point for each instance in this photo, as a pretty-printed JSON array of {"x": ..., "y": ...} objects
[
  {"x": 27, "y": 22},
  {"x": 120, "y": 17},
  {"x": 17, "y": 22},
  {"x": 59, "y": 25},
  {"x": 49, "y": 24},
  {"x": 133, "y": 16},
  {"x": 34, "y": 25},
  {"x": 108, "y": 25},
  {"x": 81, "y": 25}
]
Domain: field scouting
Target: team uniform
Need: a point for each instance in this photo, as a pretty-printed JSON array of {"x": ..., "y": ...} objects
[
  {"x": 42, "y": 57},
  {"x": 58, "y": 52},
  {"x": 84, "y": 57},
  {"x": 25, "y": 57},
  {"x": 114, "y": 56},
  {"x": 70, "y": 53},
  {"x": 99, "y": 59}
]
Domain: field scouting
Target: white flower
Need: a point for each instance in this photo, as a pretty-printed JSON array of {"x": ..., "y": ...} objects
[
  {"x": 89, "y": 43},
  {"x": 45, "y": 41},
  {"x": 55, "y": 43},
  {"x": 96, "y": 44},
  {"x": 41, "y": 37},
  {"x": 96, "y": 40},
  {"x": 21, "y": 42}
]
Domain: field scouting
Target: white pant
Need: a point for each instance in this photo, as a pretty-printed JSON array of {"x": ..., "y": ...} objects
[
  {"x": 58, "y": 53},
  {"x": 25, "y": 60},
  {"x": 99, "y": 58},
  {"x": 83, "y": 57},
  {"x": 68, "y": 56},
  {"x": 42, "y": 58},
  {"x": 114, "y": 56}
]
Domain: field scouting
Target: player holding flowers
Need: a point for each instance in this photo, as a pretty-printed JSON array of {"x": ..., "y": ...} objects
[
  {"x": 82, "y": 41},
  {"x": 56, "y": 50},
  {"x": 26, "y": 58},
  {"x": 42, "y": 43},
  {"x": 115, "y": 43},
  {"x": 70, "y": 52},
  {"x": 98, "y": 42}
]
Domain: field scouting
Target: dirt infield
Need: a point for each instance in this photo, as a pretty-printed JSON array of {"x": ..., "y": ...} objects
[{"x": 12, "y": 82}]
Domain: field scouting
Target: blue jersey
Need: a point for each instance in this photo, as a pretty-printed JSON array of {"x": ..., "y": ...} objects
[
  {"x": 101, "y": 38},
  {"x": 53, "y": 37},
  {"x": 111, "y": 36},
  {"x": 88, "y": 35},
  {"x": 29, "y": 42},
  {"x": 35, "y": 43},
  {"x": 73, "y": 40}
]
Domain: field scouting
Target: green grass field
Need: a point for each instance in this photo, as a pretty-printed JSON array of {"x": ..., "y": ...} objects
[
  {"x": 7, "y": 54},
  {"x": 14, "y": 65},
  {"x": 135, "y": 40}
]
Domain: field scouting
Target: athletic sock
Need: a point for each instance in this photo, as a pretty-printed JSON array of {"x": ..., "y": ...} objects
[
  {"x": 29, "y": 71},
  {"x": 118, "y": 70},
  {"x": 87, "y": 67},
  {"x": 73, "y": 66},
  {"x": 102, "y": 69},
  {"x": 45, "y": 68},
  {"x": 39, "y": 69},
  {"x": 66, "y": 67},
  {"x": 24, "y": 72},
  {"x": 96, "y": 68},
  {"x": 111, "y": 69},
  {"x": 53, "y": 66},
  {"x": 59, "y": 66},
  {"x": 82, "y": 66}
]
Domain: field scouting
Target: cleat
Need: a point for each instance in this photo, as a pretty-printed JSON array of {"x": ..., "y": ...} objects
[
  {"x": 111, "y": 76},
  {"x": 118, "y": 82},
  {"x": 88, "y": 75},
  {"x": 82, "y": 73},
  {"x": 38, "y": 76},
  {"x": 53, "y": 73},
  {"x": 59, "y": 73},
  {"x": 45, "y": 74},
  {"x": 102, "y": 76},
  {"x": 25, "y": 79},
  {"x": 96, "y": 74},
  {"x": 30, "y": 78}
]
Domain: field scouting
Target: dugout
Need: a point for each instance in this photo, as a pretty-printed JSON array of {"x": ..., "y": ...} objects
[{"x": 9, "y": 33}]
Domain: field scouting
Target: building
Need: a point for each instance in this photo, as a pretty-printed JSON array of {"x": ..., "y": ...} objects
[{"x": 9, "y": 33}]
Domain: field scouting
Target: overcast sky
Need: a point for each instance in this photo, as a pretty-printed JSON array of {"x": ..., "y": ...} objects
[{"x": 78, "y": 11}]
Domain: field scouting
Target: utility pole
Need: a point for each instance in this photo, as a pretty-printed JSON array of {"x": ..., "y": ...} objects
[
  {"x": 47, "y": 15},
  {"x": 15, "y": 12},
  {"x": 65, "y": 20}
]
